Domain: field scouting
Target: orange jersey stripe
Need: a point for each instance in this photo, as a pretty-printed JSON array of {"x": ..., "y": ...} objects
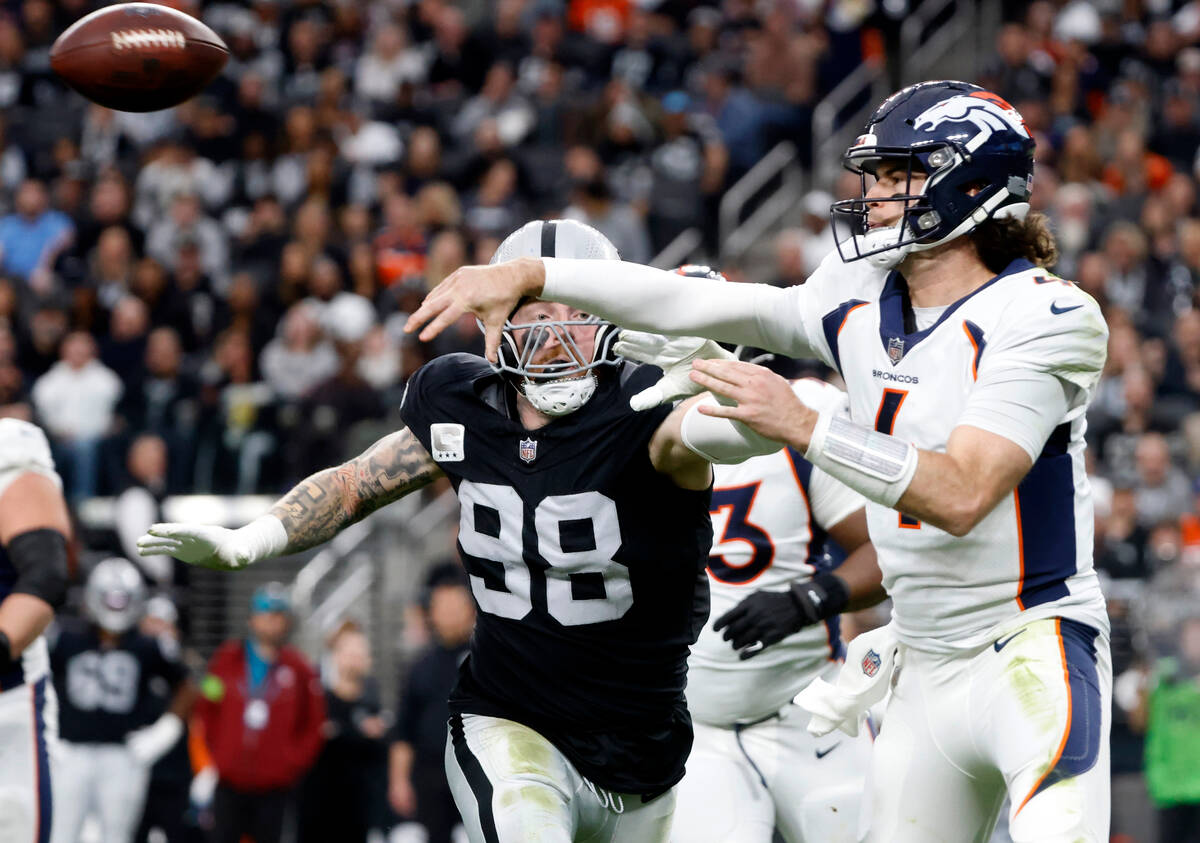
[{"x": 1062, "y": 744}]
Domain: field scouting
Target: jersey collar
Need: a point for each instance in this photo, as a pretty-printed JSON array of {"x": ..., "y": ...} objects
[{"x": 893, "y": 303}]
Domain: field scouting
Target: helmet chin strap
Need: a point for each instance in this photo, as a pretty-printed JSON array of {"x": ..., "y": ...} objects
[
  {"x": 560, "y": 397},
  {"x": 877, "y": 238}
]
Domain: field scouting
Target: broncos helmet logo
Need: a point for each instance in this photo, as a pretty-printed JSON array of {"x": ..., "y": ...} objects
[{"x": 986, "y": 111}]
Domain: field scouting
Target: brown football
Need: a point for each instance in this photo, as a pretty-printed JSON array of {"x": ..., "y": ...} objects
[{"x": 138, "y": 56}]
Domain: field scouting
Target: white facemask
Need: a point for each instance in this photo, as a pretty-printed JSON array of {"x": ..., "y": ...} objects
[
  {"x": 879, "y": 238},
  {"x": 560, "y": 397}
]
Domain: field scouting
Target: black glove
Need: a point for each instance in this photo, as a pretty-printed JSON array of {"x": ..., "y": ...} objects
[
  {"x": 767, "y": 617},
  {"x": 6, "y": 656}
]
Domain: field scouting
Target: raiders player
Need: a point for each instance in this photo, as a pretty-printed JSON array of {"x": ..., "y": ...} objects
[
  {"x": 585, "y": 531},
  {"x": 34, "y": 526},
  {"x": 107, "y": 675}
]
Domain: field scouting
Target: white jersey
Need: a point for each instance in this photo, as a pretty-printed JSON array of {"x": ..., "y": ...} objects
[
  {"x": 770, "y": 515},
  {"x": 1031, "y": 556}
]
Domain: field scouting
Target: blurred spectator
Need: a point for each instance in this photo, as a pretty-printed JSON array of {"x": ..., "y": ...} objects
[
  {"x": 32, "y": 237},
  {"x": 388, "y": 62},
  {"x": 1121, "y": 543},
  {"x": 163, "y": 400},
  {"x": 300, "y": 358},
  {"x": 593, "y": 204},
  {"x": 75, "y": 401},
  {"x": 498, "y": 101},
  {"x": 417, "y": 786},
  {"x": 344, "y": 796},
  {"x": 140, "y": 505},
  {"x": 687, "y": 168},
  {"x": 1163, "y": 492},
  {"x": 237, "y": 408},
  {"x": 124, "y": 349},
  {"x": 186, "y": 224},
  {"x": 261, "y": 709}
]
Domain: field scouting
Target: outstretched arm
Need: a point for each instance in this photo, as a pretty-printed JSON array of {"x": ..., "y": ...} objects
[
  {"x": 629, "y": 294},
  {"x": 316, "y": 510},
  {"x": 323, "y": 505}
]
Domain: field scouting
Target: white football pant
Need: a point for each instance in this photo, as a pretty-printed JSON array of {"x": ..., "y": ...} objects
[
  {"x": 512, "y": 785},
  {"x": 28, "y": 750},
  {"x": 1027, "y": 716},
  {"x": 103, "y": 780},
  {"x": 741, "y": 784}
]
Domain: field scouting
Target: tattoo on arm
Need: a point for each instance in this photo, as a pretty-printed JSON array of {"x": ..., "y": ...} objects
[{"x": 322, "y": 505}]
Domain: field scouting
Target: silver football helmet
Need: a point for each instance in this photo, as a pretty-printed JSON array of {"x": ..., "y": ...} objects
[
  {"x": 115, "y": 596},
  {"x": 562, "y": 387}
]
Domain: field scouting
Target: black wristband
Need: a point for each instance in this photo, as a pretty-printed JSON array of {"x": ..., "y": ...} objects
[
  {"x": 6, "y": 654},
  {"x": 835, "y": 596}
]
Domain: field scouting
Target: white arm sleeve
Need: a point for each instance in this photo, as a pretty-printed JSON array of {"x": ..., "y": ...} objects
[
  {"x": 649, "y": 299},
  {"x": 721, "y": 441},
  {"x": 1021, "y": 405},
  {"x": 832, "y": 501}
]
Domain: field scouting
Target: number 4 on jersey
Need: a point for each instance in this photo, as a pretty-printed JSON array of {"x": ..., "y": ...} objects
[{"x": 885, "y": 422}]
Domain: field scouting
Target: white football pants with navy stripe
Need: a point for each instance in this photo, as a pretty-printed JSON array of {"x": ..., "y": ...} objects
[
  {"x": 28, "y": 740},
  {"x": 742, "y": 783},
  {"x": 512, "y": 785},
  {"x": 101, "y": 780},
  {"x": 1027, "y": 715}
]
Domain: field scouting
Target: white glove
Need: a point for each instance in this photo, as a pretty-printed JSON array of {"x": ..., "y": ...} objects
[
  {"x": 863, "y": 680},
  {"x": 204, "y": 785},
  {"x": 152, "y": 742},
  {"x": 216, "y": 547},
  {"x": 674, "y": 356}
]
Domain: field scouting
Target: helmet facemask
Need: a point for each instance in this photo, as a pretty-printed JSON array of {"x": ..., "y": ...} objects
[
  {"x": 562, "y": 380},
  {"x": 887, "y": 246}
]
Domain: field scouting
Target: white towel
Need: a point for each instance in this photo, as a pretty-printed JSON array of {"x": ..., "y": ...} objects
[{"x": 863, "y": 681}]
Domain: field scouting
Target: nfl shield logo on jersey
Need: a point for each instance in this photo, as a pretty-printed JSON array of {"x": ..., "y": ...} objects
[
  {"x": 895, "y": 350},
  {"x": 528, "y": 450},
  {"x": 870, "y": 663}
]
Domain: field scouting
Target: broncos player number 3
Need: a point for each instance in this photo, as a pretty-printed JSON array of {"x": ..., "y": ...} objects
[{"x": 577, "y": 535}]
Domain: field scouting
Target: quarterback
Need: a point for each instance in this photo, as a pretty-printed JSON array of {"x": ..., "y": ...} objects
[
  {"x": 585, "y": 530},
  {"x": 969, "y": 368}
]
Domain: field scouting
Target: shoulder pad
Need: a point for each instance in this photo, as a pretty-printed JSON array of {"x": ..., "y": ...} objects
[{"x": 23, "y": 446}]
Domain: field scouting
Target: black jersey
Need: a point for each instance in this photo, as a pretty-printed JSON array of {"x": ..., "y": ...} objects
[
  {"x": 104, "y": 693},
  {"x": 586, "y": 563}
]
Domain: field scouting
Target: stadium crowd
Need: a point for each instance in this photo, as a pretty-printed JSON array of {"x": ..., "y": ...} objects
[{"x": 209, "y": 299}]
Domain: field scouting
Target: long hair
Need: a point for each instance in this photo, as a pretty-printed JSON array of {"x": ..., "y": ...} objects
[{"x": 999, "y": 242}]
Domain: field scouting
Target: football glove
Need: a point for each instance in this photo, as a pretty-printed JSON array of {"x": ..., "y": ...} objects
[
  {"x": 150, "y": 743},
  {"x": 216, "y": 547},
  {"x": 674, "y": 356},
  {"x": 767, "y": 617}
]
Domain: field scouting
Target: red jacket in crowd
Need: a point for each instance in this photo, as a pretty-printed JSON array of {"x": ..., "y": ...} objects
[{"x": 265, "y": 738}]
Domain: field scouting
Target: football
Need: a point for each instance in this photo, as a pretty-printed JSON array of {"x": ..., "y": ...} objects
[{"x": 138, "y": 56}]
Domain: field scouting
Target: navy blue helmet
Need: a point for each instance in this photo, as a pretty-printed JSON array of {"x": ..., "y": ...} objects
[{"x": 976, "y": 154}]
